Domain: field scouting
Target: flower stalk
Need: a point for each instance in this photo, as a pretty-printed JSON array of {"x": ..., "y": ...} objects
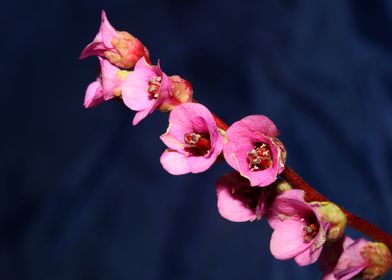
[{"x": 311, "y": 194}]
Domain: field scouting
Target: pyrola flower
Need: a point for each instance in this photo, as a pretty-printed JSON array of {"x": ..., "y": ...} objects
[
  {"x": 192, "y": 138},
  {"x": 107, "y": 85},
  {"x": 253, "y": 149},
  {"x": 237, "y": 200},
  {"x": 330, "y": 255},
  {"x": 120, "y": 47},
  {"x": 361, "y": 259},
  {"x": 145, "y": 89},
  {"x": 299, "y": 230}
]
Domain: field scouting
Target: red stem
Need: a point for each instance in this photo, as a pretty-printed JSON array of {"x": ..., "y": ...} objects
[
  {"x": 311, "y": 194},
  {"x": 354, "y": 221}
]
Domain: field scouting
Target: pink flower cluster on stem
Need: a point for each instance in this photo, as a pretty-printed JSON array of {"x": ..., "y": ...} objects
[{"x": 306, "y": 226}]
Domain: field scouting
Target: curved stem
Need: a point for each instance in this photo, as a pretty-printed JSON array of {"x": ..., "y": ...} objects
[{"x": 354, "y": 221}]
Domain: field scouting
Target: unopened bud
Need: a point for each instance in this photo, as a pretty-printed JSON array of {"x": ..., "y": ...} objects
[
  {"x": 331, "y": 213},
  {"x": 182, "y": 89},
  {"x": 127, "y": 50},
  {"x": 379, "y": 258},
  {"x": 281, "y": 186}
]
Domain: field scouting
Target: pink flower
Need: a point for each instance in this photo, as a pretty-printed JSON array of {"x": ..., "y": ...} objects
[
  {"x": 237, "y": 200},
  {"x": 330, "y": 256},
  {"x": 360, "y": 258},
  {"x": 107, "y": 85},
  {"x": 193, "y": 140},
  {"x": 145, "y": 89},
  {"x": 120, "y": 47},
  {"x": 253, "y": 150},
  {"x": 299, "y": 230}
]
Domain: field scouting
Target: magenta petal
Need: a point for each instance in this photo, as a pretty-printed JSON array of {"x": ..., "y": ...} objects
[
  {"x": 110, "y": 79},
  {"x": 308, "y": 256},
  {"x": 235, "y": 197},
  {"x": 230, "y": 207},
  {"x": 328, "y": 276},
  {"x": 287, "y": 240},
  {"x": 134, "y": 91},
  {"x": 260, "y": 124},
  {"x": 194, "y": 118},
  {"x": 198, "y": 164},
  {"x": 94, "y": 48},
  {"x": 107, "y": 31},
  {"x": 139, "y": 116},
  {"x": 174, "y": 162},
  {"x": 287, "y": 205},
  {"x": 351, "y": 262},
  {"x": 102, "y": 41},
  {"x": 172, "y": 142},
  {"x": 242, "y": 137},
  {"x": 189, "y": 117},
  {"x": 94, "y": 95}
]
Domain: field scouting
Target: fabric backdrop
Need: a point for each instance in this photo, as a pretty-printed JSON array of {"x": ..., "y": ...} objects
[{"x": 83, "y": 195}]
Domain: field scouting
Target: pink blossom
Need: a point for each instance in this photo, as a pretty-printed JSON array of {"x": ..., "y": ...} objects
[
  {"x": 192, "y": 138},
  {"x": 330, "y": 256},
  {"x": 119, "y": 47},
  {"x": 107, "y": 85},
  {"x": 349, "y": 259},
  {"x": 253, "y": 149},
  {"x": 145, "y": 89},
  {"x": 299, "y": 230},
  {"x": 237, "y": 200}
]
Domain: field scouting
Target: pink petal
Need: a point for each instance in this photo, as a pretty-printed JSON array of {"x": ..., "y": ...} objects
[
  {"x": 188, "y": 117},
  {"x": 231, "y": 202},
  {"x": 107, "y": 31},
  {"x": 231, "y": 208},
  {"x": 308, "y": 256},
  {"x": 102, "y": 41},
  {"x": 110, "y": 78},
  {"x": 172, "y": 142},
  {"x": 287, "y": 240},
  {"x": 174, "y": 162},
  {"x": 140, "y": 116},
  {"x": 134, "y": 91},
  {"x": 241, "y": 138},
  {"x": 198, "y": 164},
  {"x": 351, "y": 262},
  {"x": 94, "y": 95},
  {"x": 288, "y": 205},
  {"x": 94, "y": 48}
]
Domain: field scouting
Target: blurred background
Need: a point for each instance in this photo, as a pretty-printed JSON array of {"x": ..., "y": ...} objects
[{"x": 82, "y": 192}]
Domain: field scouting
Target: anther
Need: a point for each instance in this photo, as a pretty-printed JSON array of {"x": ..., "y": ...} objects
[
  {"x": 260, "y": 157},
  {"x": 191, "y": 138}
]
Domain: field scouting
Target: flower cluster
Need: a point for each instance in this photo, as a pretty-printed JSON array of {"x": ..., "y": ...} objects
[{"x": 303, "y": 230}]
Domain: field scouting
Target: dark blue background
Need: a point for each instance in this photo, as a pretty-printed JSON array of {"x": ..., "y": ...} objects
[{"x": 83, "y": 195}]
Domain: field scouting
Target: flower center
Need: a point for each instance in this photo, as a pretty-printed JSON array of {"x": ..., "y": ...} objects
[
  {"x": 198, "y": 144},
  {"x": 154, "y": 85},
  {"x": 249, "y": 195},
  {"x": 310, "y": 231},
  {"x": 260, "y": 157}
]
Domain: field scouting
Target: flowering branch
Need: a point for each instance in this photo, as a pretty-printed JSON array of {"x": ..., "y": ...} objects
[
  {"x": 311, "y": 194},
  {"x": 353, "y": 220},
  {"x": 307, "y": 226}
]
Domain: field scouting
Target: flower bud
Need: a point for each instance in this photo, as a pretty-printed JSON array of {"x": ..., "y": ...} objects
[
  {"x": 127, "y": 50},
  {"x": 281, "y": 186},
  {"x": 379, "y": 260},
  {"x": 182, "y": 89},
  {"x": 181, "y": 92},
  {"x": 119, "y": 47},
  {"x": 332, "y": 214}
]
